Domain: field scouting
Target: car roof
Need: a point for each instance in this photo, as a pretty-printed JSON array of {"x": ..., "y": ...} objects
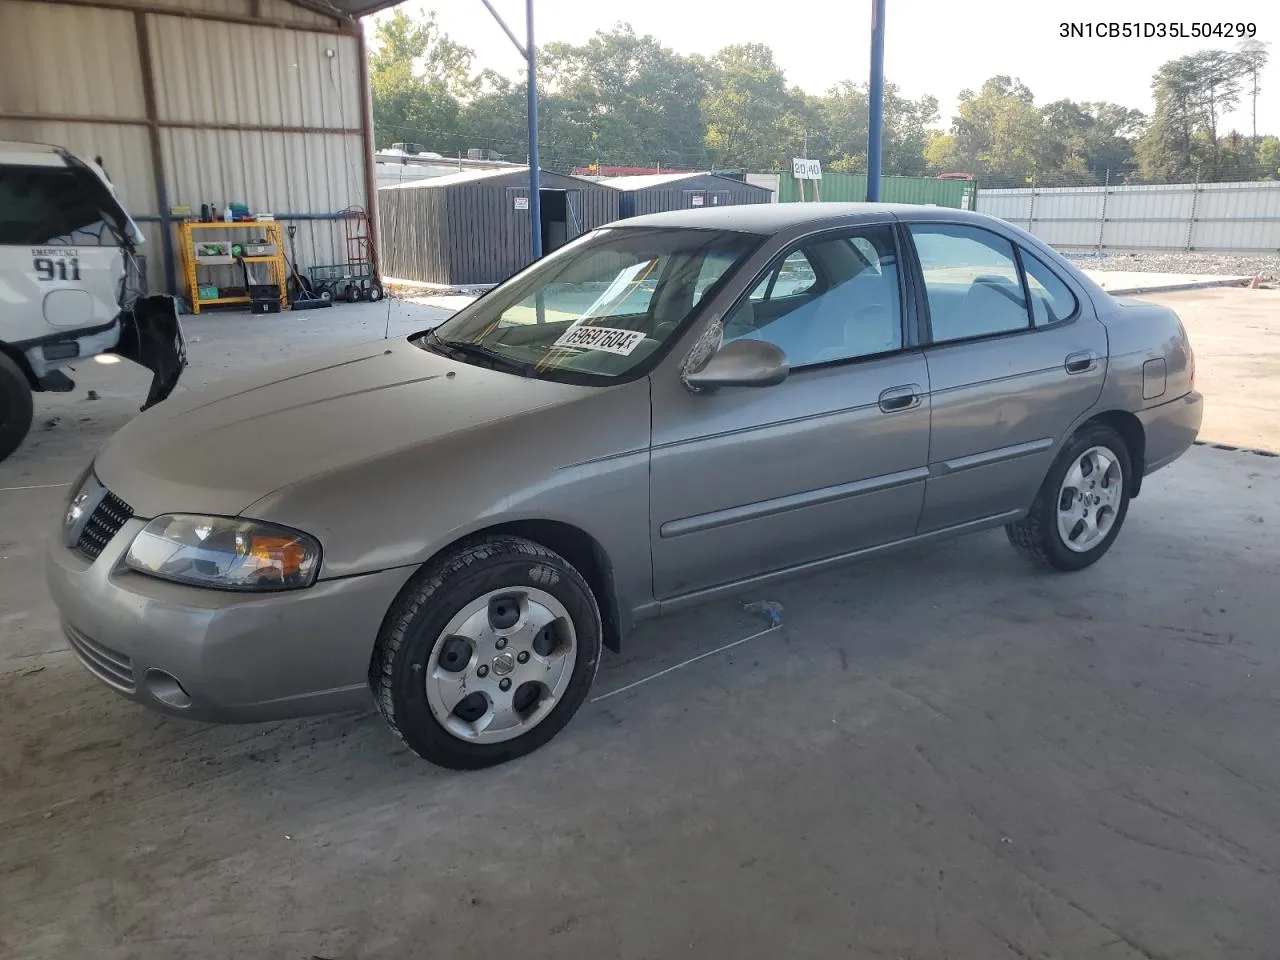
[
  {"x": 769, "y": 218},
  {"x": 26, "y": 153}
]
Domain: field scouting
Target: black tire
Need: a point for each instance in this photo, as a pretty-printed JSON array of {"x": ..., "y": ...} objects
[
  {"x": 374, "y": 292},
  {"x": 324, "y": 292},
  {"x": 424, "y": 608},
  {"x": 16, "y": 408},
  {"x": 352, "y": 293},
  {"x": 1037, "y": 534}
]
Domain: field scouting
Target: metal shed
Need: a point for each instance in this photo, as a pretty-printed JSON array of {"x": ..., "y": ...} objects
[
  {"x": 264, "y": 102},
  {"x": 473, "y": 227},
  {"x": 679, "y": 191}
]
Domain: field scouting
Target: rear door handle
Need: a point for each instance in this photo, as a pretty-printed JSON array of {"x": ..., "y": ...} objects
[
  {"x": 904, "y": 397},
  {"x": 1081, "y": 362}
]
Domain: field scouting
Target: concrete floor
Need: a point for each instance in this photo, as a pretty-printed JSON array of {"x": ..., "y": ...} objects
[{"x": 941, "y": 754}]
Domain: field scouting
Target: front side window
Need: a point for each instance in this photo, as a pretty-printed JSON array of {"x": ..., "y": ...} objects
[
  {"x": 48, "y": 206},
  {"x": 596, "y": 308},
  {"x": 832, "y": 299},
  {"x": 971, "y": 281}
]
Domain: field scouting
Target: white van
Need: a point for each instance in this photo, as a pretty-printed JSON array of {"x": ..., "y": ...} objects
[{"x": 67, "y": 251}]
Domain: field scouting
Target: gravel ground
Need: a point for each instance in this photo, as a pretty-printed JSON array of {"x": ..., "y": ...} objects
[{"x": 1222, "y": 264}]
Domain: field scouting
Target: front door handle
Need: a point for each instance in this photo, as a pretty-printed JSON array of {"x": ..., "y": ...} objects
[
  {"x": 1081, "y": 362},
  {"x": 900, "y": 398}
]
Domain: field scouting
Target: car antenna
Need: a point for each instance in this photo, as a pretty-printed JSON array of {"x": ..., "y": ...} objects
[{"x": 386, "y": 331}]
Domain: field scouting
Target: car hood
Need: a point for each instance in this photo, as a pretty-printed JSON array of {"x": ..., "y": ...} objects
[{"x": 220, "y": 448}]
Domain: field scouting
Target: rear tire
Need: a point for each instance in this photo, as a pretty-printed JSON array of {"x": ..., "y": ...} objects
[
  {"x": 352, "y": 293},
  {"x": 453, "y": 637},
  {"x": 1082, "y": 503},
  {"x": 16, "y": 407}
]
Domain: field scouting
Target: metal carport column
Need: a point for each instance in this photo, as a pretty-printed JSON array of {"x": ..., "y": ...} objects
[{"x": 530, "y": 54}]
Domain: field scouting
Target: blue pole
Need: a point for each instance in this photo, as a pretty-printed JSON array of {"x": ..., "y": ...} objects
[
  {"x": 535, "y": 198},
  {"x": 875, "y": 105}
]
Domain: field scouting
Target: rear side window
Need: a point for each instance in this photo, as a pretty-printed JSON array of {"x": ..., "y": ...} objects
[
  {"x": 46, "y": 206},
  {"x": 971, "y": 281},
  {"x": 1051, "y": 299}
]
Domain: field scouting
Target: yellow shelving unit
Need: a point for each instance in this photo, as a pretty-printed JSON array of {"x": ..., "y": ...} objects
[{"x": 192, "y": 232}]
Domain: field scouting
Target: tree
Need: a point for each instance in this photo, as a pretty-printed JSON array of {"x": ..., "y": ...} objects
[
  {"x": 1253, "y": 57},
  {"x": 999, "y": 132},
  {"x": 746, "y": 108},
  {"x": 1191, "y": 93},
  {"x": 1091, "y": 140},
  {"x": 942, "y": 155},
  {"x": 416, "y": 74},
  {"x": 624, "y": 98},
  {"x": 1268, "y": 157}
]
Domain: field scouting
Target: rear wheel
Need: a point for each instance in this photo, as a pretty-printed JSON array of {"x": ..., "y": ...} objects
[
  {"x": 374, "y": 292},
  {"x": 487, "y": 654},
  {"x": 1082, "y": 503},
  {"x": 352, "y": 293},
  {"x": 16, "y": 408}
]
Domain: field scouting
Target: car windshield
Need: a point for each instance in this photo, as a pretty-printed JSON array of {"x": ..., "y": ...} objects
[{"x": 596, "y": 309}]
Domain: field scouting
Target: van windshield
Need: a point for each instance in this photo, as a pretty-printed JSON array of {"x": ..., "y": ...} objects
[{"x": 597, "y": 309}]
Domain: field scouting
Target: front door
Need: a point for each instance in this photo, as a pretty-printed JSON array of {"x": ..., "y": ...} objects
[
  {"x": 1012, "y": 365},
  {"x": 745, "y": 481}
]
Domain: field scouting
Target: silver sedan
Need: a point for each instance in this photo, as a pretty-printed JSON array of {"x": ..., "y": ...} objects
[{"x": 671, "y": 409}]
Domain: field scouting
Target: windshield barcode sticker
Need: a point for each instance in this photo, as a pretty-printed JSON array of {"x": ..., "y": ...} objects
[{"x": 608, "y": 339}]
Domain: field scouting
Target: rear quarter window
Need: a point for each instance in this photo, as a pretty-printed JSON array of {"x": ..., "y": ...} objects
[{"x": 1051, "y": 299}]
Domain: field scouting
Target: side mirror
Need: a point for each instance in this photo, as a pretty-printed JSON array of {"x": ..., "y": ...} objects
[{"x": 741, "y": 363}]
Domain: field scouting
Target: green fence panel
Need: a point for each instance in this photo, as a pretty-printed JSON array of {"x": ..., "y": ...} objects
[{"x": 838, "y": 187}]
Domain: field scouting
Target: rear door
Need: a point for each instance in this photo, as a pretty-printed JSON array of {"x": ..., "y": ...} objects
[{"x": 1015, "y": 357}]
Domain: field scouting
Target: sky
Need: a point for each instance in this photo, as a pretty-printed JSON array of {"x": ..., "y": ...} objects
[{"x": 937, "y": 47}]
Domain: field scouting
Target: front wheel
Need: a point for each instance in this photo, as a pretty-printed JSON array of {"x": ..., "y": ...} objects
[
  {"x": 487, "y": 654},
  {"x": 1082, "y": 503},
  {"x": 16, "y": 407}
]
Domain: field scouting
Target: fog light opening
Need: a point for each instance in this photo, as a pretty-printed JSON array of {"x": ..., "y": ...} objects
[{"x": 166, "y": 688}]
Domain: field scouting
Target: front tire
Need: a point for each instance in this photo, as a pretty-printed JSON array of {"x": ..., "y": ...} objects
[
  {"x": 487, "y": 654},
  {"x": 16, "y": 406},
  {"x": 1082, "y": 503}
]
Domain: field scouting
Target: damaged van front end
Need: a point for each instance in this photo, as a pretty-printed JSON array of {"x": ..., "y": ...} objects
[{"x": 70, "y": 285}]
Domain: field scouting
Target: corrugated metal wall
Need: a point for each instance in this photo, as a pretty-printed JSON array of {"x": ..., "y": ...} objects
[
  {"x": 471, "y": 232},
  {"x": 1211, "y": 217},
  {"x": 852, "y": 187},
  {"x": 270, "y": 116}
]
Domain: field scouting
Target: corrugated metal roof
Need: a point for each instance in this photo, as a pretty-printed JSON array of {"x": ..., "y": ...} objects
[
  {"x": 642, "y": 181},
  {"x": 471, "y": 176},
  {"x": 451, "y": 179},
  {"x": 350, "y": 8}
]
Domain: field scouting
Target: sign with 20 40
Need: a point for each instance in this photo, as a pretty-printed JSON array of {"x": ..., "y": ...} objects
[{"x": 806, "y": 169}]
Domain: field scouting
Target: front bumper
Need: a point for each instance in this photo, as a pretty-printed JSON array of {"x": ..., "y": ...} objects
[
  {"x": 1170, "y": 429},
  {"x": 151, "y": 336},
  {"x": 235, "y": 657}
]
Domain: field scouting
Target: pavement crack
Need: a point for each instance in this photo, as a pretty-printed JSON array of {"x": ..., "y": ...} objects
[{"x": 1134, "y": 838}]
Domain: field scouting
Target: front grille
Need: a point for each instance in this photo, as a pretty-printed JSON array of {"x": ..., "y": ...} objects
[
  {"x": 104, "y": 523},
  {"x": 106, "y": 664}
]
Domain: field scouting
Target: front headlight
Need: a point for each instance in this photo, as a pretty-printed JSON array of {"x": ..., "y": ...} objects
[{"x": 224, "y": 554}]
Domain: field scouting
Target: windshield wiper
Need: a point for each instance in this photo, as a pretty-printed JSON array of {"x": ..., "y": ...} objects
[{"x": 478, "y": 351}]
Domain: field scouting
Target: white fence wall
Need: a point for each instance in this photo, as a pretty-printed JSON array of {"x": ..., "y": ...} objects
[{"x": 1208, "y": 217}]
